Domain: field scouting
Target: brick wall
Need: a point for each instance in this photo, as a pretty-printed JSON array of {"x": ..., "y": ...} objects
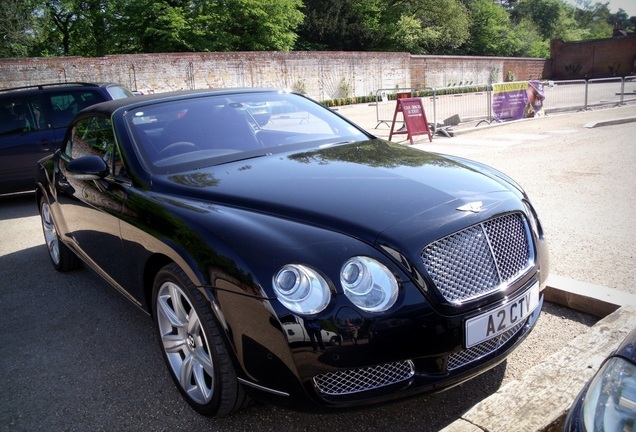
[
  {"x": 448, "y": 71},
  {"x": 321, "y": 75},
  {"x": 523, "y": 69},
  {"x": 593, "y": 59}
]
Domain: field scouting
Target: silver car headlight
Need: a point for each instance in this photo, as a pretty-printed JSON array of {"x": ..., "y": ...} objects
[
  {"x": 301, "y": 289},
  {"x": 368, "y": 284},
  {"x": 610, "y": 404}
]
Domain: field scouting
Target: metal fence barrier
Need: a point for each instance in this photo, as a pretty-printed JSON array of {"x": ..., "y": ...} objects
[
  {"x": 603, "y": 91},
  {"x": 385, "y": 102},
  {"x": 445, "y": 106},
  {"x": 453, "y": 105},
  {"x": 628, "y": 90},
  {"x": 450, "y": 106},
  {"x": 564, "y": 96}
]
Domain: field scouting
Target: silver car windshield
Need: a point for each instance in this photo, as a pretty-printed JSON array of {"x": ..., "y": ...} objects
[{"x": 203, "y": 131}]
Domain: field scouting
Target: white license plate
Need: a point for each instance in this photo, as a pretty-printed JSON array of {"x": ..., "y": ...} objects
[{"x": 496, "y": 322}]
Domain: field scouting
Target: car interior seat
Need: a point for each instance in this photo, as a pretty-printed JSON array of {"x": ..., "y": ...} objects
[{"x": 230, "y": 129}]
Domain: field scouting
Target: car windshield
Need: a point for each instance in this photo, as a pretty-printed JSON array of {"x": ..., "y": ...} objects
[
  {"x": 203, "y": 131},
  {"x": 119, "y": 92}
]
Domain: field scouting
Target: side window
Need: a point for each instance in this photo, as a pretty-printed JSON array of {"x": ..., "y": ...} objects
[
  {"x": 19, "y": 115},
  {"x": 94, "y": 136},
  {"x": 65, "y": 105}
]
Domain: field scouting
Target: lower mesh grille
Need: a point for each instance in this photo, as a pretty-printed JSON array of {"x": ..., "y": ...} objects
[
  {"x": 365, "y": 379},
  {"x": 476, "y": 352}
]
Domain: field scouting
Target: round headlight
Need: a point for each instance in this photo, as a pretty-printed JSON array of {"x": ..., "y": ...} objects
[
  {"x": 369, "y": 284},
  {"x": 301, "y": 289}
]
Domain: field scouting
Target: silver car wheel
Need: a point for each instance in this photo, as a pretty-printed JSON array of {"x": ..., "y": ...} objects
[
  {"x": 50, "y": 234},
  {"x": 185, "y": 343}
]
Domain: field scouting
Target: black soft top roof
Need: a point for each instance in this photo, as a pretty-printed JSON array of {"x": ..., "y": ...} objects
[{"x": 109, "y": 107}]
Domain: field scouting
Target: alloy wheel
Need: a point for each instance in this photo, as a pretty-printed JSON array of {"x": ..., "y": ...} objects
[
  {"x": 50, "y": 234},
  {"x": 185, "y": 343}
]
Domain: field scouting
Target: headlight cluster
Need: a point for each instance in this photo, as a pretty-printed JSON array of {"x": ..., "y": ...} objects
[
  {"x": 369, "y": 285},
  {"x": 301, "y": 289},
  {"x": 610, "y": 404}
]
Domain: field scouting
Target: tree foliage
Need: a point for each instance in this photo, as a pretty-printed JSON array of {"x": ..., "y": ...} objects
[
  {"x": 596, "y": 21},
  {"x": 427, "y": 26},
  {"x": 16, "y": 28},
  {"x": 476, "y": 27},
  {"x": 347, "y": 25},
  {"x": 209, "y": 25},
  {"x": 491, "y": 31}
]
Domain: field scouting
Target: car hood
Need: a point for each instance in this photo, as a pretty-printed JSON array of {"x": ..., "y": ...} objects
[
  {"x": 627, "y": 348},
  {"x": 361, "y": 189}
]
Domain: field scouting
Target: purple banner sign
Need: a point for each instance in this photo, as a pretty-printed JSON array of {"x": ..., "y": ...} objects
[{"x": 517, "y": 100}]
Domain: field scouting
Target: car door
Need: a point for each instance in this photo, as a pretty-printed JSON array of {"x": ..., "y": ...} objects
[
  {"x": 25, "y": 138},
  {"x": 91, "y": 209}
]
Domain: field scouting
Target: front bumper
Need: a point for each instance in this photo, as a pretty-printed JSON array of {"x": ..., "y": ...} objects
[
  {"x": 379, "y": 362},
  {"x": 418, "y": 375}
]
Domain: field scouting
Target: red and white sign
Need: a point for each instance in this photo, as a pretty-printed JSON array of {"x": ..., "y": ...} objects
[{"x": 415, "y": 122}]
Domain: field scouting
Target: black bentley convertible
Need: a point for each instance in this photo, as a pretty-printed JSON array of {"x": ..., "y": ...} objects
[{"x": 251, "y": 223}]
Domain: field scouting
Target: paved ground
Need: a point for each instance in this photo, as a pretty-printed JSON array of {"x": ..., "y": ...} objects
[{"x": 77, "y": 356}]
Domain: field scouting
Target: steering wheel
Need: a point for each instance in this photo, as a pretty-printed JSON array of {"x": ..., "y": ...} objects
[{"x": 177, "y": 148}]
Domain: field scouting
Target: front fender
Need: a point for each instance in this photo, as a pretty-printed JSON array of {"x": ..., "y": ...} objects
[{"x": 235, "y": 254}]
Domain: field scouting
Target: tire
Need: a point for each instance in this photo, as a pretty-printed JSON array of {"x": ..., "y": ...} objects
[
  {"x": 192, "y": 346},
  {"x": 62, "y": 258}
]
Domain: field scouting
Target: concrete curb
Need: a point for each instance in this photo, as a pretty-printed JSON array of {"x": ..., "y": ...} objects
[
  {"x": 589, "y": 125},
  {"x": 585, "y": 297},
  {"x": 617, "y": 121},
  {"x": 455, "y": 132},
  {"x": 540, "y": 399}
]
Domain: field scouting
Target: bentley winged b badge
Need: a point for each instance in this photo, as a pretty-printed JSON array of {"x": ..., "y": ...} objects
[{"x": 474, "y": 207}]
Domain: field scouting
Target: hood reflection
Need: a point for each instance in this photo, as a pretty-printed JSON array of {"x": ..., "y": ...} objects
[{"x": 374, "y": 153}]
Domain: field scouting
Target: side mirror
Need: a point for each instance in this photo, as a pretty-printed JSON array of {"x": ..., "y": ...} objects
[{"x": 89, "y": 167}]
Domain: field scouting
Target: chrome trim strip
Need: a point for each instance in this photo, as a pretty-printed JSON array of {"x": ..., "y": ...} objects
[{"x": 260, "y": 387}]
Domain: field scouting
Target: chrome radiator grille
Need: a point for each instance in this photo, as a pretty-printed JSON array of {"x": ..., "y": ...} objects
[
  {"x": 359, "y": 380},
  {"x": 479, "y": 259}
]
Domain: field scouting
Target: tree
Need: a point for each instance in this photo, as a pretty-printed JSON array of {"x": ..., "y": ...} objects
[
  {"x": 536, "y": 22},
  {"x": 408, "y": 34},
  {"x": 478, "y": 27},
  {"x": 491, "y": 30},
  {"x": 427, "y": 26},
  {"x": 260, "y": 25},
  {"x": 153, "y": 26},
  {"x": 92, "y": 35},
  {"x": 546, "y": 14},
  {"x": 348, "y": 25},
  {"x": 17, "y": 22},
  {"x": 63, "y": 15},
  {"x": 531, "y": 42},
  {"x": 207, "y": 25},
  {"x": 623, "y": 20}
]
